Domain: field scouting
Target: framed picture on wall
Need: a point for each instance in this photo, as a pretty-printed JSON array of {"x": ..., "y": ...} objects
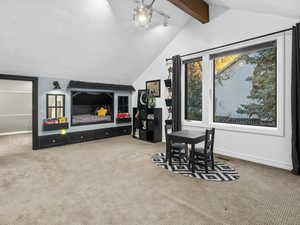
[
  {"x": 153, "y": 88},
  {"x": 142, "y": 98}
]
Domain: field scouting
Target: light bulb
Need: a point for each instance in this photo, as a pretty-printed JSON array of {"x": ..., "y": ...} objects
[{"x": 142, "y": 15}]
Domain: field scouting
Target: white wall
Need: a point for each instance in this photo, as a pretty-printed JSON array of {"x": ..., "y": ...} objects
[
  {"x": 227, "y": 26},
  {"x": 15, "y": 107}
]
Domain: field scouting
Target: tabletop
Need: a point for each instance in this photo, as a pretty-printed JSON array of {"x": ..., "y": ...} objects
[{"x": 187, "y": 136}]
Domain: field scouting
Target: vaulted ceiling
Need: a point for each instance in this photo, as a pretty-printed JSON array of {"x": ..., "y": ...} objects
[
  {"x": 89, "y": 40},
  {"x": 96, "y": 40}
]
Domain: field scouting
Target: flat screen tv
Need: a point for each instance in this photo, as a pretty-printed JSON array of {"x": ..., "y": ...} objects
[{"x": 92, "y": 107}]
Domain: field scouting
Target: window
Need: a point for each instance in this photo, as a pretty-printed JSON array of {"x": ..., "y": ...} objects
[
  {"x": 123, "y": 104},
  {"x": 193, "y": 89},
  {"x": 55, "y": 106},
  {"x": 245, "y": 89}
]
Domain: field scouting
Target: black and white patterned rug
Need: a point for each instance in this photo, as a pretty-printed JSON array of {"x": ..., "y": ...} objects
[{"x": 222, "y": 172}]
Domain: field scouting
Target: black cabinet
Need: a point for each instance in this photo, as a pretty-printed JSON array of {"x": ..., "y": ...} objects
[
  {"x": 122, "y": 131},
  {"x": 78, "y": 137},
  {"x": 51, "y": 141},
  {"x": 148, "y": 124},
  {"x": 82, "y": 136}
]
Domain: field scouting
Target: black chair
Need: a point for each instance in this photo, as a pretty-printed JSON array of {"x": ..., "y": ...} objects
[
  {"x": 176, "y": 151},
  {"x": 205, "y": 156}
]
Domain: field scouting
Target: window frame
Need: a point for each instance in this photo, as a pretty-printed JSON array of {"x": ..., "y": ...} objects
[
  {"x": 214, "y": 93},
  {"x": 208, "y": 94},
  {"x": 55, "y": 107},
  {"x": 123, "y": 105}
]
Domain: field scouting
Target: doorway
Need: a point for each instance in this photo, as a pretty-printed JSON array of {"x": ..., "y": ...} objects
[{"x": 20, "y": 116}]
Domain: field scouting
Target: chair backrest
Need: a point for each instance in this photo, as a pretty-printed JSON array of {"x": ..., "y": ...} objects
[
  {"x": 209, "y": 140},
  {"x": 167, "y": 128}
]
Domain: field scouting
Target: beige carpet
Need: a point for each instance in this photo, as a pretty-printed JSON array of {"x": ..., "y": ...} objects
[{"x": 113, "y": 181}]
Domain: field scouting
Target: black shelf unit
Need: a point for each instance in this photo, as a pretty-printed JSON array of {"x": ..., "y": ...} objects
[
  {"x": 169, "y": 99},
  {"x": 123, "y": 120},
  {"x": 57, "y": 126},
  {"x": 149, "y": 124}
]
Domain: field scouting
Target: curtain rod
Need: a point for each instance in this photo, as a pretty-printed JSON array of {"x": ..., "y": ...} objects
[{"x": 234, "y": 43}]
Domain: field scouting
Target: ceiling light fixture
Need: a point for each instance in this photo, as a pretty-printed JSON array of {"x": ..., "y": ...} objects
[{"x": 142, "y": 14}]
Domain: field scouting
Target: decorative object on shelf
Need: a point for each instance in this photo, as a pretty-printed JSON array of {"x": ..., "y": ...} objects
[
  {"x": 56, "y": 85},
  {"x": 136, "y": 123},
  {"x": 102, "y": 112},
  {"x": 61, "y": 120},
  {"x": 123, "y": 118},
  {"x": 142, "y": 98},
  {"x": 169, "y": 102},
  {"x": 150, "y": 117},
  {"x": 123, "y": 115},
  {"x": 168, "y": 82},
  {"x": 168, "y": 122},
  {"x": 153, "y": 88},
  {"x": 151, "y": 101},
  {"x": 142, "y": 14}
]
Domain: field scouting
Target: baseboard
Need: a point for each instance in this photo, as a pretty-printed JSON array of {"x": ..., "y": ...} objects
[
  {"x": 247, "y": 157},
  {"x": 15, "y": 133}
]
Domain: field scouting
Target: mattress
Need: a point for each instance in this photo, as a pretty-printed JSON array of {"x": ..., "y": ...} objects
[{"x": 88, "y": 118}]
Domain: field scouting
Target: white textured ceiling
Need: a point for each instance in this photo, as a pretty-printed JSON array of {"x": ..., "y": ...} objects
[
  {"x": 89, "y": 40},
  {"x": 286, "y": 8}
]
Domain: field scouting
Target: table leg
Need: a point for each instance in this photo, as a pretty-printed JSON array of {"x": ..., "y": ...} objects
[
  {"x": 193, "y": 158},
  {"x": 167, "y": 151},
  {"x": 169, "y": 155}
]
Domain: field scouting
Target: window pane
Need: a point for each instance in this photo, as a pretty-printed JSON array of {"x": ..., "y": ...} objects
[
  {"x": 193, "y": 92},
  {"x": 51, "y": 100},
  {"x": 60, "y": 100},
  {"x": 51, "y": 113},
  {"x": 123, "y": 104},
  {"x": 60, "y": 112},
  {"x": 245, "y": 88}
]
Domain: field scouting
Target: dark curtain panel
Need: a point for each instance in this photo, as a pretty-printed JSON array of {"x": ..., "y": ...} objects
[
  {"x": 176, "y": 93},
  {"x": 296, "y": 100}
]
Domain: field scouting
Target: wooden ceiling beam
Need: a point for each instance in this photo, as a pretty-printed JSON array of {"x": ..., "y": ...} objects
[{"x": 198, "y": 9}]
